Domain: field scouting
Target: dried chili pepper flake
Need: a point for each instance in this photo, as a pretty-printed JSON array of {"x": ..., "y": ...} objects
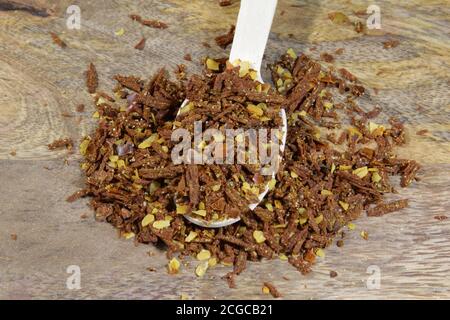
[
  {"x": 272, "y": 289},
  {"x": 422, "y": 132},
  {"x": 57, "y": 40},
  {"x": 385, "y": 208},
  {"x": 338, "y": 17},
  {"x": 390, "y": 44},
  {"x": 187, "y": 57},
  {"x": 441, "y": 218},
  {"x": 326, "y": 57},
  {"x": 91, "y": 78},
  {"x": 333, "y": 274},
  {"x": 61, "y": 143},
  {"x": 224, "y": 3},
  {"x": 226, "y": 39},
  {"x": 140, "y": 45}
]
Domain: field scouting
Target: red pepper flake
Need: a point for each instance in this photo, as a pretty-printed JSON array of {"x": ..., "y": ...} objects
[
  {"x": 149, "y": 22},
  {"x": 224, "y": 3},
  {"x": 13, "y": 236},
  {"x": 326, "y": 57},
  {"x": 154, "y": 24},
  {"x": 273, "y": 291},
  {"x": 140, "y": 45},
  {"x": 347, "y": 75},
  {"x": 385, "y": 208},
  {"x": 225, "y": 39},
  {"x": 359, "y": 27},
  {"x": 57, "y": 40},
  {"x": 61, "y": 143},
  {"x": 187, "y": 57},
  {"x": 422, "y": 132},
  {"x": 390, "y": 44},
  {"x": 91, "y": 78},
  {"x": 333, "y": 274},
  {"x": 441, "y": 218},
  {"x": 80, "y": 108}
]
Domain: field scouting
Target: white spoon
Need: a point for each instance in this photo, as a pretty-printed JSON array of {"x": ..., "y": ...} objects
[{"x": 250, "y": 39}]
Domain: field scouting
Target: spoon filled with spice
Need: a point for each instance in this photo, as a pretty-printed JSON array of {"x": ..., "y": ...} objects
[{"x": 214, "y": 195}]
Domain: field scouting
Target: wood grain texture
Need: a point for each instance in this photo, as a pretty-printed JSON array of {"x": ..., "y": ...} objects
[{"x": 41, "y": 84}]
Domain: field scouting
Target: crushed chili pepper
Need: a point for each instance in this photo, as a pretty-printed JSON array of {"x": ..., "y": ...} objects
[
  {"x": 57, "y": 40},
  {"x": 319, "y": 188},
  {"x": 226, "y": 39},
  {"x": 140, "y": 45},
  {"x": 91, "y": 78},
  {"x": 61, "y": 143}
]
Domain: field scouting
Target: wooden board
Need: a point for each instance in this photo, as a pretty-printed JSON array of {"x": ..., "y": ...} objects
[{"x": 40, "y": 85}]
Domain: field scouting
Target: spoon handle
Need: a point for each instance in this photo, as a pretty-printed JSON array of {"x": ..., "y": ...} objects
[{"x": 252, "y": 31}]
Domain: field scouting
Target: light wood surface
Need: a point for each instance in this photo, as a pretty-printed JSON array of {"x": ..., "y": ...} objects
[{"x": 41, "y": 84}]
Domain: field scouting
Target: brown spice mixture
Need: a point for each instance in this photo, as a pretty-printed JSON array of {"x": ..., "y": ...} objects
[
  {"x": 390, "y": 44},
  {"x": 140, "y": 45},
  {"x": 91, "y": 78},
  {"x": 319, "y": 187},
  {"x": 273, "y": 291},
  {"x": 224, "y": 40},
  {"x": 224, "y": 3},
  {"x": 149, "y": 22},
  {"x": 61, "y": 143},
  {"x": 57, "y": 40}
]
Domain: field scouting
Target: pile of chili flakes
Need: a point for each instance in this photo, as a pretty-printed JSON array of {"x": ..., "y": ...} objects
[{"x": 330, "y": 174}]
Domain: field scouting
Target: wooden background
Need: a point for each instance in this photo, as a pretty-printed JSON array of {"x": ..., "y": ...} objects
[{"x": 40, "y": 85}]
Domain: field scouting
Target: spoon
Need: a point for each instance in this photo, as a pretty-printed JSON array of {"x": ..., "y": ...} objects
[{"x": 249, "y": 42}]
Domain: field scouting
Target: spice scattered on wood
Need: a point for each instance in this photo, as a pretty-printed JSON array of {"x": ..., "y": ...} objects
[
  {"x": 338, "y": 18},
  {"x": 224, "y": 3},
  {"x": 339, "y": 51},
  {"x": 441, "y": 218},
  {"x": 320, "y": 187},
  {"x": 326, "y": 57},
  {"x": 57, "y": 40},
  {"x": 359, "y": 26},
  {"x": 13, "y": 152},
  {"x": 422, "y": 132},
  {"x": 61, "y": 143},
  {"x": 206, "y": 44},
  {"x": 272, "y": 290},
  {"x": 390, "y": 44},
  {"x": 80, "y": 107},
  {"x": 149, "y": 22},
  {"x": 13, "y": 236},
  {"x": 333, "y": 274},
  {"x": 385, "y": 208},
  {"x": 140, "y": 45},
  {"x": 91, "y": 78},
  {"x": 187, "y": 57},
  {"x": 224, "y": 40}
]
